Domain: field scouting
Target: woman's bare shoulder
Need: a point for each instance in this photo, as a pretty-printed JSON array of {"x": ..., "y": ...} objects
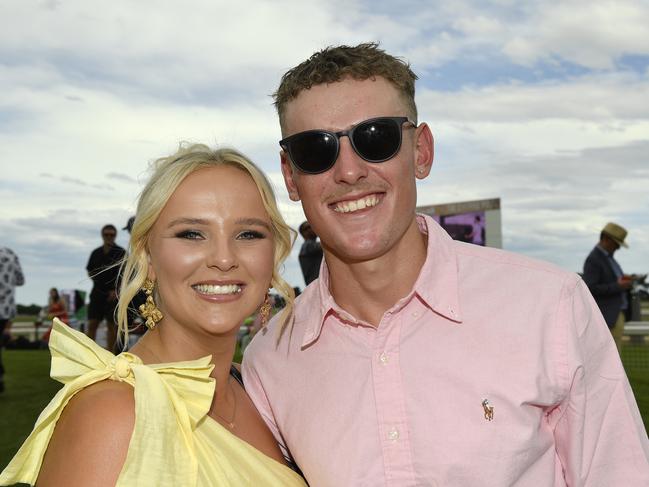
[{"x": 91, "y": 437}]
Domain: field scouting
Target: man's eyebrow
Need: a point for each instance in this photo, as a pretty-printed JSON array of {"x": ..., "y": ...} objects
[{"x": 253, "y": 221}]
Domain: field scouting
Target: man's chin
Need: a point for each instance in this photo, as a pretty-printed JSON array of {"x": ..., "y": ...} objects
[{"x": 356, "y": 251}]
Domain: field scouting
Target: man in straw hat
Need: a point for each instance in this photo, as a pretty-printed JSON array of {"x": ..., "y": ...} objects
[{"x": 606, "y": 281}]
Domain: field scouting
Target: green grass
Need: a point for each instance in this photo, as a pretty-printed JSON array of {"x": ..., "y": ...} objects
[
  {"x": 29, "y": 389},
  {"x": 23, "y": 318},
  {"x": 636, "y": 364}
]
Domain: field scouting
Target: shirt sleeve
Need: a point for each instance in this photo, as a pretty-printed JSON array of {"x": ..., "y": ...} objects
[
  {"x": 19, "y": 277},
  {"x": 254, "y": 389},
  {"x": 599, "y": 434}
]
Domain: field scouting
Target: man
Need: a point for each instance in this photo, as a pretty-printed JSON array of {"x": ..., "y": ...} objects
[
  {"x": 11, "y": 275},
  {"x": 476, "y": 235},
  {"x": 310, "y": 254},
  {"x": 129, "y": 225},
  {"x": 415, "y": 359},
  {"x": 103, "y": 269},
  {"x": 606, "y": 281}
]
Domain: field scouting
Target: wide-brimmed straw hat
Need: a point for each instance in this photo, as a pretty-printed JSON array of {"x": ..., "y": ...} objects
[{"x": 616, "y": 232}]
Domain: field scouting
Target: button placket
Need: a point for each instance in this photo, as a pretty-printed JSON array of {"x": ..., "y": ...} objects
[
  {"x": 393, "y": 434},
  {"x": 390, "y": 400},
  {"x": 383, "y": 358}
]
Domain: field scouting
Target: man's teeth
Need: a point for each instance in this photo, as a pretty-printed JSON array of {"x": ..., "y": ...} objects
[
  {"x": 216, "y": 289},
  {"x": 360, "y": 204}
]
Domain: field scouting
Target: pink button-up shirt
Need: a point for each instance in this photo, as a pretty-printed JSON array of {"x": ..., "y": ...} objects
[{"x": 496, "y": 370}]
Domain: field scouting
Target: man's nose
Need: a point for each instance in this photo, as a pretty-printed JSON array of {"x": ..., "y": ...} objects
[{"x": 349, "y": 167}]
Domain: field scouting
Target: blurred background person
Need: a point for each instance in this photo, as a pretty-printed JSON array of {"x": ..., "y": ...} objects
[
  {"x": 103, "y": 269},
  {"x": 477, "y": 233},
  {"x": 11, "y": 275},
  {"x": 129, "y": 225},
  {"x": 56, "y": 307},
  {"x": 310, "y": 253},
  {"x": 606, "y": 281}
]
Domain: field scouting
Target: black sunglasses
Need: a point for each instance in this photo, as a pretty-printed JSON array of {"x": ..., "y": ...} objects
[{"x": 375, "y": 140}]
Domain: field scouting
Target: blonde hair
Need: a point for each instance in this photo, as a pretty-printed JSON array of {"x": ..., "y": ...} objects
[{"x": 167, "y": 174}]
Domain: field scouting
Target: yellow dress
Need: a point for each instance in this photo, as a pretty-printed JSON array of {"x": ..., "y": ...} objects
[{"x": 174, "y": 443}]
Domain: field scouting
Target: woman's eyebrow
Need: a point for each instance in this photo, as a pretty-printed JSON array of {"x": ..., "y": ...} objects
[
  {"x": 253, "y": 221},
  {"x": 187, "y": 221}
]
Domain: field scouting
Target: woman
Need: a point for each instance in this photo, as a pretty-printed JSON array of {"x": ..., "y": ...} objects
[
  {"x": 206, "y": 246},
  {"x": 55, "y": 309},
  {"x": 56, "y": 306}
]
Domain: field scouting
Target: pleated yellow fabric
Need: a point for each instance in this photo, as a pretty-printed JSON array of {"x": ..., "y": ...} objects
[{"x": 174, "y": 442}]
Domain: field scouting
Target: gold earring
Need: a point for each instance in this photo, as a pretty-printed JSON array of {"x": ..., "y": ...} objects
[
  {"x": 264, "y": 310},
  {"x": 149, "y": 310}
]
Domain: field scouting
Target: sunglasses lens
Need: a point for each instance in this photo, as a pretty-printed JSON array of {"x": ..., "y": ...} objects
[
  {"x": 313, "y": 152},
  {"x": 377, "y": 140}
]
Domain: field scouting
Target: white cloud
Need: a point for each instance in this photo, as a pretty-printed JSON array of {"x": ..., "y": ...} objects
[
  {"x": 589, "y": 34},
  {"x": 91, "y": 95},
  {"x": 593, "y": 98}
]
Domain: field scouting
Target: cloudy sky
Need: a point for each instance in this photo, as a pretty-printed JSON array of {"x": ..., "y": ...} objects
[{"x": 543, "y": 104}]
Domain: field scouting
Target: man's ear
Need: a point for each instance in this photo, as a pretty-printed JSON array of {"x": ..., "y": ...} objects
[
  {"x": 424, "y": 150},
  {"x": 289, "y": 176}
]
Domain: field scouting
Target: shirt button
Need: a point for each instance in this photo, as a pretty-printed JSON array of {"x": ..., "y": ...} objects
[
  {"x": 393, "y": 434},
  {"x": 415, "y": 314},
  {"x": 384, "y": 358}
]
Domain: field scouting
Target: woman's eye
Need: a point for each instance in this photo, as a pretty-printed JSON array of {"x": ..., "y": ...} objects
[
  {"x": 250, "y": 235},
  {"x": 189, "y": 234}
]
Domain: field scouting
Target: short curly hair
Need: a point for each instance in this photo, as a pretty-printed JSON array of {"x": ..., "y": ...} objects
[{"x": 332, "y": 64}]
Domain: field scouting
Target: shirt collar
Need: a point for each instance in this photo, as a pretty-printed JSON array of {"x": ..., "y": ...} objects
[
  {"x": 438, "y": 281},
  {"x": 436, "y": 285}
]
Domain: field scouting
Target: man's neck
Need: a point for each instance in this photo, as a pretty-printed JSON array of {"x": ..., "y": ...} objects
[
  {"x": 368, "y": 289},
  {"x": 606, "y": 248}
]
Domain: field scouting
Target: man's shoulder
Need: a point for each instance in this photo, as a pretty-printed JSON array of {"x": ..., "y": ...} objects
[
  {"x": 506, "y": 275},
  {"x": 504, "y": 258},
  {"x": 96, "y": 250},
  {"x": 596, "y": 254},
  {"x": 7, "y": 255},
  {"x": 118, "y": 250}
]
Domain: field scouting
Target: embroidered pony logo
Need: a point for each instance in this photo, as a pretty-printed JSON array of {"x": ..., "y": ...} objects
[{"x": 488, "y": 410}]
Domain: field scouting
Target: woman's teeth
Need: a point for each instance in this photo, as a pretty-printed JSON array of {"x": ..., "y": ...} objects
[{"x": 217, "y": 289}]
